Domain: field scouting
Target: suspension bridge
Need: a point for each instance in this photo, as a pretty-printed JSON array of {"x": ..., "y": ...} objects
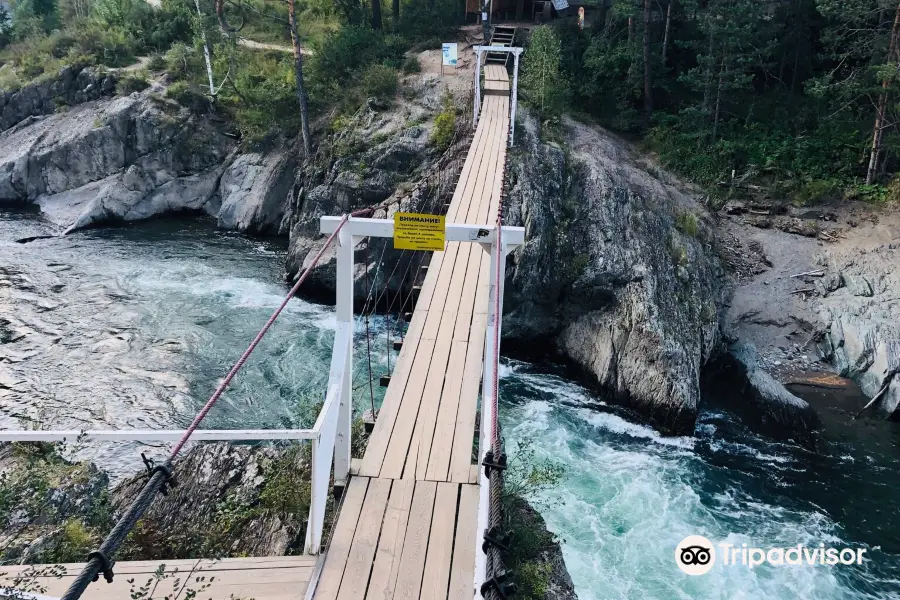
[{"x": 419, "y": 514}]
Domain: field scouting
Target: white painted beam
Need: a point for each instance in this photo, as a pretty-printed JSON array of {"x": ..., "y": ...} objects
[{"x": 454, "y": 232}]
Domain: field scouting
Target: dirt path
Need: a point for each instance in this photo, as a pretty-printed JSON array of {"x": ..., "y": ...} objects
[{"x": 276, "y": 47}]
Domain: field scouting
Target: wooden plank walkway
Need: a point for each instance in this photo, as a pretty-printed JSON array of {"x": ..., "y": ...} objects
[
  {"x": 407, "y": 525},
  {"x": 268, "y": 578}
]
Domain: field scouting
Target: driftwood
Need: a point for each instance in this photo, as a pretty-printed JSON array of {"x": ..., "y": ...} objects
[
  {"x": 815, "y": 273},
  {"x": 804, "y": 291}
]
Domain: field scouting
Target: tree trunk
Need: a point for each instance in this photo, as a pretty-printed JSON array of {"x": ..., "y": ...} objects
[
  {"x": 878, "y": 129},
  {"x": 395, "y": 11},
  {"x": 376, "y": 14},
  {"x": 298, "y": 74},
  {"x": 665, "y": 47},
  {"x": 206, "y": 56},
  {"x": 707, "y": 76},
  {"x": 648, "y": 83},
  {"x": 722, "y": 70},
  {"x": 630, "y": 30}
]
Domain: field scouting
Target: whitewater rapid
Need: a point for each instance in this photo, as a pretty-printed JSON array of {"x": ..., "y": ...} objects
[{"x": 134, "y": 326}]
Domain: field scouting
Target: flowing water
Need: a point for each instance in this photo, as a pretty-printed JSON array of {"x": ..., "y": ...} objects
[{"x": 133, "y": 326}]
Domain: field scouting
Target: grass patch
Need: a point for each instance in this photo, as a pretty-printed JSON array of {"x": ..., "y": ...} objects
[{"x": 687, "y": 223}]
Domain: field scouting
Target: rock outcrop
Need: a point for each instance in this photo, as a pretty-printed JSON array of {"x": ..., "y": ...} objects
[
  {"x": 228, "y": 501},
  {"x": 618, "y": 271},
  {"x": 134, "y": 157},
  {"x": 256, "y": 189},
  {"x": 72, "y": 85},
  {"x": 859, "y": 307},
  {"x": 402, "y": 172},
  {"x": 761, "y": 401}
]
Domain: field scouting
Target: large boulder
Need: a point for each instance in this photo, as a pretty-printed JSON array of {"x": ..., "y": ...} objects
[
  {"x": 256, "y": 189},
  {"x": 762, "y": 402},
  {"x": 128, "y": 158},
  {"x": 618, "y": 271}
]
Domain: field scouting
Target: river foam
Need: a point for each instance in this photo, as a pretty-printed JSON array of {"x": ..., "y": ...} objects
[{"x": 629, "y": 496}]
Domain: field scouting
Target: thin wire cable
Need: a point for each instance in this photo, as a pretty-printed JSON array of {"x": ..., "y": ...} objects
[
  {"x": 369, "y": 337},
  {"x": 161, "y": 475}
]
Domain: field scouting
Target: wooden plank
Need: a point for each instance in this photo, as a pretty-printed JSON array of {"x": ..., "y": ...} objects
[
  {"x": 390, "y": 544},
  {"x": 392, "y": 459},
  {"x": 390, "y": 407},
  {"x": 419, "y": 402},
  {"x": 464, "y": 432},
  {"x": 362, "y": 552},
  {"x": 431, "y": 400},
  {"x": 462, "y": 574},
  {"x": 442, "y": 441},
  {"x": 339, "y": 548},
  {"x": 436, "y": 578},
  {"x": 415, "y": 545},
  {"x": 467, "y": 295}
]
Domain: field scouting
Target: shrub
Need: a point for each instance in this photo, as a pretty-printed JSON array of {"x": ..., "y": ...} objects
[
  {"x": 156, "y": 63},
  {"x": 817, "y": 191},
  {"x": 411, "y": 65},
  {"x": 380, "y": 82},
  {"x": 444, "y": 125},
  {"x": 686, "y": 222},
  {"x": 135, "y": 81},
  {"x": 182, "y": 60},
  {"x": 9, "y": 81}
]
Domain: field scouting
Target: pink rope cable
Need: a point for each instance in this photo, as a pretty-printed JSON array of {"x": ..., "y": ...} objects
[
  {"x": 495, "y": 434},
  {"x": 259, "y": 336}
]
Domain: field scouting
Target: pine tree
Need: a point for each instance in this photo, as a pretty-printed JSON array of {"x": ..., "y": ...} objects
[{"x": 542, "y": 84}]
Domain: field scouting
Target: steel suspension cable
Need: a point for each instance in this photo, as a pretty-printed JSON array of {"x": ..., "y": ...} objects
[{"x": 100, "y": 561}]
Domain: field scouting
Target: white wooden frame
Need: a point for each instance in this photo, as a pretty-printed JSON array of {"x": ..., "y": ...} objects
[
  {"x": 353, "y": 231},
  {"x": 516, "y": 52}
]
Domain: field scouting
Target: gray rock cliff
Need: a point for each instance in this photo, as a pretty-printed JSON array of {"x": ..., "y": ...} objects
[{"x": 618, "y": 271}]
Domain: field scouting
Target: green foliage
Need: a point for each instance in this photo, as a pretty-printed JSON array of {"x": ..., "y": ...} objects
[
  {"x": 133, "y": 81},
  {"x": 686, "y": 222},
  {"x": 445, "y": 123},
  {"x": 529, "y": 477},
  {"x": 411, "y": 65},
  {"x": 533, "y": 578},
  {"x": 542, "y": 84},
  {"x": 156, "y": 63},
  {"x": 27, "y": 490},
  {"x": 380, "y": 82},
  {"x": 783, "y": 94},
  {"x": 526, "y": 481},
  {"x": 185, "y": 585}
]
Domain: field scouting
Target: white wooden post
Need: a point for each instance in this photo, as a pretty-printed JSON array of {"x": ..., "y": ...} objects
[
  {"x": 515, "y": 97},
  {"x": 498, "y": 252},
  {"x": 344, "y": 314}
]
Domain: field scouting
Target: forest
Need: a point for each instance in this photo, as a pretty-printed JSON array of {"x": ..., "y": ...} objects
[
  {"x": 327, "y": 57},
  {"x": 795, "y": 97}
]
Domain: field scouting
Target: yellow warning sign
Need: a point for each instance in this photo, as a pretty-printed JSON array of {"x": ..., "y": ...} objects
[{"x": 413, "y": 231}]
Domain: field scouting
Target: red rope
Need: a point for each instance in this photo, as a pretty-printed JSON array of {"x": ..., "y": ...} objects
[{"x": 259, "y": 336}]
